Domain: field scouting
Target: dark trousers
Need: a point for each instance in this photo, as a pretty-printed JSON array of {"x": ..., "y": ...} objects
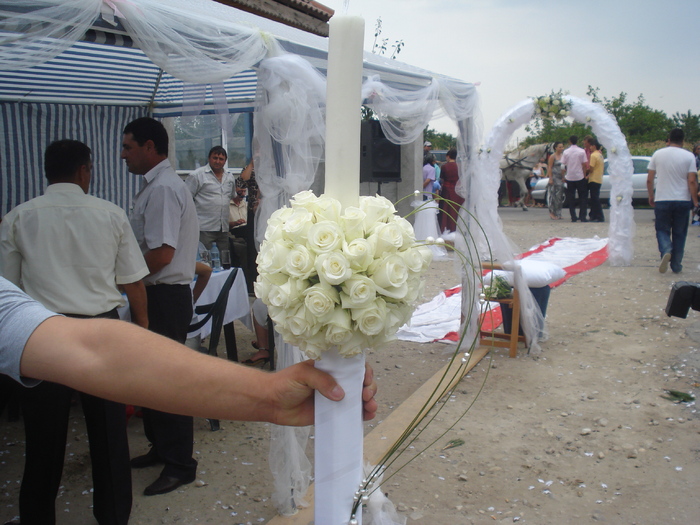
[
  {"x": 172, "y": 435},
  {"x": 580, "y": 187},
  {"x": 594, "y": 201},
  {"x": 46, "y": 409},
  {"x": 671, "y": 220}
]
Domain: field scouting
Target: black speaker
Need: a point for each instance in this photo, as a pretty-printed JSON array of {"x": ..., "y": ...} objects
[
  {"x": 684, "y": 296},
  {"x": 380, "y": 160}
]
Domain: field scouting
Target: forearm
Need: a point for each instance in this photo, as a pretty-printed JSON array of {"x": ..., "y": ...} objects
[
  {"x": 122, "y": 362},
  {"x": 693, "y": 187},
  {"x": 159, "y": 258},
  {"x": 138, "y": 304},
  {"x": 119, "y": 361}
]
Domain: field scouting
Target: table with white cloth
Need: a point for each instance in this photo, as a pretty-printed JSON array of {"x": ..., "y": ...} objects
[{"x": 237, "y": 308}]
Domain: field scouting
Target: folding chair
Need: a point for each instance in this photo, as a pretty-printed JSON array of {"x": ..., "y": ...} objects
[{"x": 215, "y": 311}]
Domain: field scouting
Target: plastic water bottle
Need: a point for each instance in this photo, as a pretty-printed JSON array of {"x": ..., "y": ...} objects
[{"x": 215, "y": 257}]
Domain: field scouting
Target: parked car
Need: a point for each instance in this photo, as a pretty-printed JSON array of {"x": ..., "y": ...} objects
[
  {"x": 639, "y": 184},
  {"x": 440, "y": 155}
]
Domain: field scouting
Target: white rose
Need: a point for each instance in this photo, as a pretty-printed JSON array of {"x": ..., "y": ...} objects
[
  {"x": 273, "y": 229},
  {"x": 272, "y": 257},
  {"x": 377, "y": 209},
  {"x": 358, "y": 292},
  {"x": 288, "y": 294},
  {"x": 314, "y": 346},
  {"x": 388, "y": 271},
  {"x": 304, "y": 199},
  {"x": 359, "y": 253},
  {"x": 355, "y": 345},
  {"x": 297, "y": 225},
  {"x": 266, "y": 282},
  {"x": 339, "y": 327},
  {"x": 325, "y": 237},
  {"x": 300, "y": 262},
  {"x": 427, "y": 255},
  {"x": 397, "y": 316},
  {"x": 333, "y": 268},
  {"x": 414, "y": 290},
  {"x": 327, "y": 209},
  {"x": 352, "y": 222},
  {"x": 370, "y": 320},
  {"x": 389, "y": 237},
  {"x": 320, "y": 300},
  {"x": 409, "y": 234},
  {"x": 413, "y": 259},
  {"x": 301, "y": 323}
]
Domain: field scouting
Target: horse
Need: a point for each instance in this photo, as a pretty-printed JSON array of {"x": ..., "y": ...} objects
[{"x": 517, "y": 166}]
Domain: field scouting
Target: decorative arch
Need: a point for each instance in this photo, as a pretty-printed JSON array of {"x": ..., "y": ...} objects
[{"x": 484, "y": 189}]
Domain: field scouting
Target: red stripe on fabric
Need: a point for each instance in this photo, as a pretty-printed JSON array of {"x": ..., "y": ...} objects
[
  {"x": 547, "y": 244},
  {"x": 592, "y": 260},
  {"x": 491, "y": 319},
  {"x": 452, "y": 291}
]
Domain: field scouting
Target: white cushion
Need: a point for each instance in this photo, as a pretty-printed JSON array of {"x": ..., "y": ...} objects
[{"x": 536, "y": 273}]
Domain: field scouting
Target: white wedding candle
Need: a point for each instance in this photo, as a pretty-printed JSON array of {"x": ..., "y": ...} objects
[{"x": 343, "y": 102}]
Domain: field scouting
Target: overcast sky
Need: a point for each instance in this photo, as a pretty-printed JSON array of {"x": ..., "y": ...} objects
[{"x": 521, "y": 48}]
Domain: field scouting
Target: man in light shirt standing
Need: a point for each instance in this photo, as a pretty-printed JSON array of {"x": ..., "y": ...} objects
[
  {"x": 676, "y": 194},
  {"x": 70, "y": 251},
  {"x": 213, "y": 188},
  {"x": 165, "y": 223},
  {"x": 575, "y": 160}
]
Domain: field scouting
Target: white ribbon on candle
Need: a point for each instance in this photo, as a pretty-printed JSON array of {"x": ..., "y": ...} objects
[{"x": 338, "y": 441}]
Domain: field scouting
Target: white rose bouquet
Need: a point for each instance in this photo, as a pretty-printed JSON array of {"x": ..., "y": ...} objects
[
  {"x": 347, "y": 279},
  {"x": 552, "y": 106}
]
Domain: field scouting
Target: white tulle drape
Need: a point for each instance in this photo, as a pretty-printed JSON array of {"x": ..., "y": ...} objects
[
  {"x": 484, "y": 205},
  {"x": 622, "y": 227},
  {"x": 46, "y": 29}
]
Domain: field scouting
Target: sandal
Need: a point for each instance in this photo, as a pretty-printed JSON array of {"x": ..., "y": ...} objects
[{"x": 260, "y": 361}]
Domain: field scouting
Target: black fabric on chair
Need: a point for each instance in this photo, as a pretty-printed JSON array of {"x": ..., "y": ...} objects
[{"x": 215, "y": 311}]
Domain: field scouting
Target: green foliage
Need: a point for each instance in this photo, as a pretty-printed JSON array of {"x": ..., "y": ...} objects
[
  {"x": 689, "y": 123},
  {"x": 440, "y": 140},
  {"x": 499, "y": 289}
]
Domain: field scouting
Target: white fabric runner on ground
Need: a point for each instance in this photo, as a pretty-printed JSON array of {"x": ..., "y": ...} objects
[{"x": 434, "y": 320}]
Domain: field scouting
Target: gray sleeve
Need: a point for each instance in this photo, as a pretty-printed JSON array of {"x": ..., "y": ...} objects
[{"x": 19, "y": 317}]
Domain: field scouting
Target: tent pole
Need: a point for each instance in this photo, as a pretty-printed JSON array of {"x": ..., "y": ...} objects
[{"x": 155, "y": 90}]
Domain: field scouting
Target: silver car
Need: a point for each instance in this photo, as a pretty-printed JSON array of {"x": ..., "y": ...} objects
[{"x": 639, "y": 184}]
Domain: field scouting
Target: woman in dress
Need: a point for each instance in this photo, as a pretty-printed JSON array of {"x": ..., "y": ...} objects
[
  {"x": 556, "y": 181},
  {"x": 449, "y": 212}
]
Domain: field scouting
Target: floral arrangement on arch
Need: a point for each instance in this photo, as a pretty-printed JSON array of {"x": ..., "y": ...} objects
[
  {"x": 339, "y": 278},
  {"x": 552, "y": 106}
]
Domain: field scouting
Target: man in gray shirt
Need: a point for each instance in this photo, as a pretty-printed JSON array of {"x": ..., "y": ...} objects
[{"x": 165, "y": 223}]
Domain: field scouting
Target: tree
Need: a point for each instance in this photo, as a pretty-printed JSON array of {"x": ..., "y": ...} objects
[
  {"x": 379, "y": 47},
  {"x": 440, "y": 140},
  {"x": 689, "y": 123}
]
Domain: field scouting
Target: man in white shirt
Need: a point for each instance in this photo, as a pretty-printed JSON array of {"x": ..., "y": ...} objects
[
  {"x": 576, "y": 162},
  {"x": 165, "y": 223},
  {"x": 70, "y": 251},
  {"x": 213, "y": 188},
  {"x": 676, "y": 194}
]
